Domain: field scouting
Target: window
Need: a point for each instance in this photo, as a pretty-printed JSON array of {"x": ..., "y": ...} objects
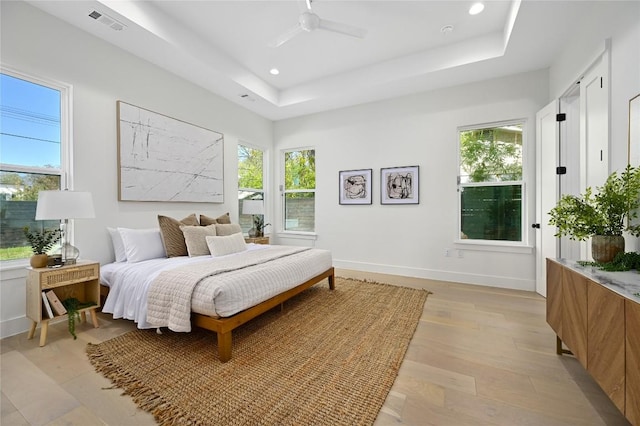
[
  {"x": 490, "y": 182},
  {"x": 250, "y": 181},
  {"x": 32, "y": 114},
  {"x": 299, "y": 190}
]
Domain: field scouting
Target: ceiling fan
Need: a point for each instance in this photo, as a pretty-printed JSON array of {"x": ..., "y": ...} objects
[{"x": 309, "y": 21}]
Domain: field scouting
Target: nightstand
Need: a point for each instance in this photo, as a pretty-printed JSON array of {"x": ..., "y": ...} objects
[
  {"x": 81, "y": 281},
  {"x": 257, "y": 240}
]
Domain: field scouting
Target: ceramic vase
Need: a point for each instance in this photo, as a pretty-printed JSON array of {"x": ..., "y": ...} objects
[
  {"x": 38, "y": 260},
  {"x": 605, "y": 247}
]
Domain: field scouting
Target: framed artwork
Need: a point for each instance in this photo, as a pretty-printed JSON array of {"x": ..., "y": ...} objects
[
  {"x": 164, "y": 159},
  {"x": 355, "y": 186},
  {"x": 400, "y": 185}
]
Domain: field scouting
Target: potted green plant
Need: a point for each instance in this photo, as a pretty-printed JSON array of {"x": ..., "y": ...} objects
[
  {"x": 259, "y": 225},
  {"x": 602, "y": 215},
  {"x": 41, "y": 242}
]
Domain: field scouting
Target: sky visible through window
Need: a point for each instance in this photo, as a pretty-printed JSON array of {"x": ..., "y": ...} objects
[{"x": 29, "y": 123}]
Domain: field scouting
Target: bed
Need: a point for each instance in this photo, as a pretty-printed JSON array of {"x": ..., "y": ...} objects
[{"x": 225, "y": 291}]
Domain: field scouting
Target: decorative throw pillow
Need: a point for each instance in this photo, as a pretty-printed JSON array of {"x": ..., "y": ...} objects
[
  {"x": 194, "y": 237},
  {"x": 205, "y": 220},
  {"x": 224, "y": 219},
  {"x": 142, "y": 244},
  {"x": 118, "y": 245},
  {"x": 220, "y": 246},
  {"x": 172, "y": 236},
  {"x": 228, "y": 229}
]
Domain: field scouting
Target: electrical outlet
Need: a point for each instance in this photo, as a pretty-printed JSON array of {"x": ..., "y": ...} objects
[
  {"x": 460, "y": 254},
  {"x": 447, "y": 252}
]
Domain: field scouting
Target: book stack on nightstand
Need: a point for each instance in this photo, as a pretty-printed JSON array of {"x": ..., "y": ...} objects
[
  {"x": 48, "y": 287},
  {"x": 257, "y": 240}
]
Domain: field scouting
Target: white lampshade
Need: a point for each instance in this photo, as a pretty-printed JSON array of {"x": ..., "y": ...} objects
[
  {"x": 253, "y": 207},
  {"x": 58, "y": 205}
]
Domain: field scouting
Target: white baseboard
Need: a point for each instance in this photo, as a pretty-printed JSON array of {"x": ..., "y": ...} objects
[
  {"x": 19, "y": 325},
  {"x": 432, "y": 274},
  {"x": 14, "y": 326}
]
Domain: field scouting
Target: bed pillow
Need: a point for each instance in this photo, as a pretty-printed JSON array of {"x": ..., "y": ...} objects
[
  {"x": 220, "y": 246},
  {"x": 228, "y": 229},
  {"x": 172, "y": 236},
  {"x": 224, "y": 219},
  {"x": 194, "y": 237},
  {"x": 118, "y": 245},
  {"x": 142, "y": 244}
]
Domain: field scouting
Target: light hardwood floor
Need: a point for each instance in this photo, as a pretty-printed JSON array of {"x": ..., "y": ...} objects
[{"x": 480, "y": 356}]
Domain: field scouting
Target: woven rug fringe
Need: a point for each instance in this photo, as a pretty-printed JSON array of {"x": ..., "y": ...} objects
[{"x": 145, "y": 397}]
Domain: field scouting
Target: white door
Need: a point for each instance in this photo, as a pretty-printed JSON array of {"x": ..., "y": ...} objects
[
  {"x": 547, "y": 189},
  {"x": 594, "y": 121},
  {"x": 594, "y": 130},
  {"x": 570, "y": 157}
]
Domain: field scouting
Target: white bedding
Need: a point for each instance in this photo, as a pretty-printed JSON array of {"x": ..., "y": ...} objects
[{"x": 129, "y": 283}]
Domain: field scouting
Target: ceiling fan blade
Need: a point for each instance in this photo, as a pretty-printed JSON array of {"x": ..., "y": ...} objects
[
  {"x": 338, "y": 27},
  {"x": 286, "y": 36}
]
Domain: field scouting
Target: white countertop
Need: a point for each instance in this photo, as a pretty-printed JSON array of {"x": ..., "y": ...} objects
[{"x": 625, "y": 283}]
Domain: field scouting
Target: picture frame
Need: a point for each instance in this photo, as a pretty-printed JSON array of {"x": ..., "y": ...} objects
[
  {"x": 165, "y": 159},
  {"x": 400, "y": 185},
  {"x": 355, "y": 186}
]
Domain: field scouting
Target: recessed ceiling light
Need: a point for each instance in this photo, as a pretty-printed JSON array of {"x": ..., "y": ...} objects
[
  {"x": 476, "y": 8},
  {"x": 274, "y": 71}
]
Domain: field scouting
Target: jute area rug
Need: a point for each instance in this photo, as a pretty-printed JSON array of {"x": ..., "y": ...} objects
[{"x": 329, "y": 358}]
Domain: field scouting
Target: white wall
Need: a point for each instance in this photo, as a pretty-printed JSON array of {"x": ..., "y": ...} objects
[
  {"x": 617, "y": 23},
  {"x": 415, "y": 130},
  {"x": 421, "y": 129},
  {"x": 412, "y": 130},
  {"x": 36, "y": 43}
]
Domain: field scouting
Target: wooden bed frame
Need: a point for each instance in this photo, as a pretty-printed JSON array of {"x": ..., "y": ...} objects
[{"x": 224, "y": 326}]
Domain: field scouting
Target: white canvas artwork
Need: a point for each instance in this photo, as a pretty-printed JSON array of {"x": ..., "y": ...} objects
[{"x": 164, "y": 159}]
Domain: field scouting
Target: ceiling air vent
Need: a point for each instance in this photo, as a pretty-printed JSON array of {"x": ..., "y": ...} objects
[
  {"x": 246, "y": 97},
  {"x": 107, "y": 20}
]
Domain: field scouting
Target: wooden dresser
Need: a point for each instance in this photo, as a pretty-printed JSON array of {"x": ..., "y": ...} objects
[{"x": 596, "y": 315}]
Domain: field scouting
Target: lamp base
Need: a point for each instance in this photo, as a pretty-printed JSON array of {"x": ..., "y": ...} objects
[{"x": 69, "y": 254}]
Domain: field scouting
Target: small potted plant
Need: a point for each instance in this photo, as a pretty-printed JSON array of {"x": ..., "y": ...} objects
[
  {"x": 603, "y": 215},
  {"x": 41, "y": 242},
  {"x": 259, "y": 225}
]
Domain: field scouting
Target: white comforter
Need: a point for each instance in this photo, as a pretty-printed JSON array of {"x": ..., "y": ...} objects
[{"x": 129, "y": 284}]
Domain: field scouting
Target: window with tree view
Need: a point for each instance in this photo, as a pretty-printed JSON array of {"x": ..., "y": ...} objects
[
  {"x": 299, "y": 190},
  {"x": 250, "y": 181},
  {"x": 30, "y": 142},
  {"x": 490, "y": 182}
]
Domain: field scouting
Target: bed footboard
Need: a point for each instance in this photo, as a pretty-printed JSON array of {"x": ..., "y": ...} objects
[{"x": 225, "y": 326}]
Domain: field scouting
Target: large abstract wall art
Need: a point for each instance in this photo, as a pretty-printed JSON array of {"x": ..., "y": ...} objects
[
  {"x": 164, "y": 159},
  {"x": 355, "y": 186},
  {"x": 399, "y": 185}
]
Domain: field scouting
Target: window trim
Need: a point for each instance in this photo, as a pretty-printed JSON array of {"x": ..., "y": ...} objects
[
  {"x": 264, "y": 161},
  {"x": 264, "y": 191},
  {"x": 522, "y": 246},
  {"x": 283, "y": 191},
  {"x": 66, "y": 127},
  {"x": 66, "y": 144}
]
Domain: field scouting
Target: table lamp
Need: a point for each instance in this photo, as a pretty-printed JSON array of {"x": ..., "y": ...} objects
[
  {"x": 64, "y": 205},
  {"x": 253, "y": 207}
]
